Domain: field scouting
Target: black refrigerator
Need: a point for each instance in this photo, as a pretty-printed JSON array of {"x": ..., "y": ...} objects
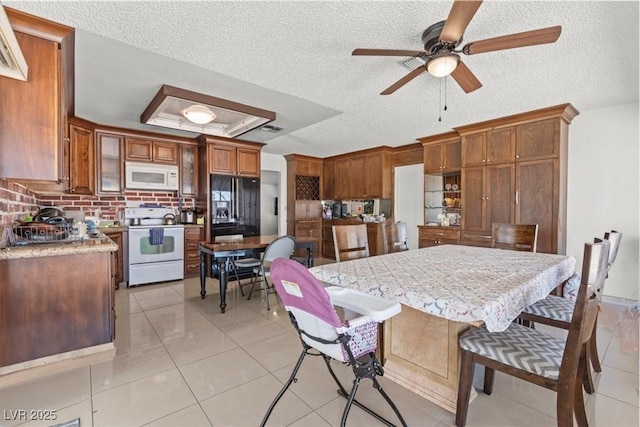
[{"x": 235, "y": 205}]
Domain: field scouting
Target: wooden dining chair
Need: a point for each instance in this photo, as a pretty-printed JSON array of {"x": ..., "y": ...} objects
[
  {"x": 519, "y": 237},
  {"x": 397, "y": 237},
  {"x": 535, "y": 356},
  {"x": 350, "y": 242},
  {"x": 557, "y": 311}
]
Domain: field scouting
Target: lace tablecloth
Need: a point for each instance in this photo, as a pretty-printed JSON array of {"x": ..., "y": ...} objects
[{"x": 460, "y": 283}]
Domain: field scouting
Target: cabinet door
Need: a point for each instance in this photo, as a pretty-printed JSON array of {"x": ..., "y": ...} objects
[
  {"x": 451, "y": 156},
  {"x": 81, "y": 160},
  {"x": 308, "y": 167},
  {"x": 248, "y": 162},
  {"x": 343, "y": 179},
  {"x": 315, "y": 210},
  {"x": 139, "y": 150},
  {"x": 432, "y": 156},
  {"x": 473, "y": 204},
  {"x": 537, "y": 201},
  {"x": 373, "y": 170},
  {"x": 501, "y": 146},
  {"x": 329, "y": 181},
  {"x": 473, "y": 150},
  {"x": 538, "y": 140},
  {"x": 165, "y": 152},
  {"x": 109, "y": 149},
  {"x": 189, "y": 170},
  {"x": 357, "y": 177},
  {"x": 222, "y": 159},
  {"x": 500, "y": 194},
  {"x": 30, "y": 116}
]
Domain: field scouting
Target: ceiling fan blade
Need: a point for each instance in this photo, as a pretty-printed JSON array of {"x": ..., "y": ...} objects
[
  {"x": 386, "y": 52},
  {"x": 465, "y": 78},
  {"x": 459, "y": 17},
  {"x": 403, "y": 81},
  {"x": 527, "y": 38}
]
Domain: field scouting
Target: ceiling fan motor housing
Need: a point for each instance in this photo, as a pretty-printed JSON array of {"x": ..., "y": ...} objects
[{"x": 431, "y": 38}]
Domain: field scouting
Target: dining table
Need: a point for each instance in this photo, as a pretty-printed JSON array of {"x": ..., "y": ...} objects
[
  {"x": 223, "y": 253},
  {"x": 445, "y": 290}
]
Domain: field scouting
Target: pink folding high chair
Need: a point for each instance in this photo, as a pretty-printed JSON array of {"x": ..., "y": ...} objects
[{"x": 352, "y": 340}]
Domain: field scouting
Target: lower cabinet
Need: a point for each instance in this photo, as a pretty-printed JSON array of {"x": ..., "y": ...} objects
[
  {"x": 434, "y": 236},
  {"x": 117, "y": 259},
  {"x": 192, "y": 237}
]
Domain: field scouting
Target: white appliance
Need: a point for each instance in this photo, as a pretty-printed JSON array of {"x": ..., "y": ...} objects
[
  {"x": 151, "y": 176},
  {"x": 156, "y": 251}
]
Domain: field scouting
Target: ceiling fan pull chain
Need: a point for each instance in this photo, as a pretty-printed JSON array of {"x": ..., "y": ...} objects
[
  {"x": 445, "y": 93},
  {"x": 440, "y": 103}
]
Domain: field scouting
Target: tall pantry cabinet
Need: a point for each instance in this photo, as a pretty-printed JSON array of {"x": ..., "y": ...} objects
[{"x": 514, "y": 169}]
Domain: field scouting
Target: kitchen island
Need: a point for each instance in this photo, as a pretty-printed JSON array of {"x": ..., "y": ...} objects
[{"x": 56, "y": 307}]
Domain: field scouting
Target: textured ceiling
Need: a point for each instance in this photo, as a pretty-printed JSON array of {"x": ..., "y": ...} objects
[{"x": 294, "y": 58}]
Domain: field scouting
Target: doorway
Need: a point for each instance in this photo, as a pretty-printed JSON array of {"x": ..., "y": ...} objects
[
  {"x": 409, "y": 199},
  {"x": 270, "y": 204}
]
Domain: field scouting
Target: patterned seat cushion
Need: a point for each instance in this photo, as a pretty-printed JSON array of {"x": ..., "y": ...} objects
[
  {"x": 364, "y": 339},
  {"x": 521, "y": 347},
  {"x": 552, "y": 307}
]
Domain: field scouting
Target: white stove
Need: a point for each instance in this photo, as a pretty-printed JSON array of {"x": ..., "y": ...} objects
[{"x": 156, "y": 250}]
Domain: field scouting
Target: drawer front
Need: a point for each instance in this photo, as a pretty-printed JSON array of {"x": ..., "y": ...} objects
[
  {"x": 313, "y": 232},
  {"x": 191, "y": 246},
  {"x": 307, "y": 225},
  {"x": 193, "y": 233},
  {"x": 191, "y": 269},
  {"x": 439, "y": 233},
  {"x": 191, "y": 256},
  {"x": 429, "y": 242}
]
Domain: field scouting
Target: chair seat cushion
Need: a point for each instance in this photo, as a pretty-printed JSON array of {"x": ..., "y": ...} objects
[
  {"x": 247, "y": 263},
  {"x": 524, "y": 348},
  {"x": 552, "y": 307}
]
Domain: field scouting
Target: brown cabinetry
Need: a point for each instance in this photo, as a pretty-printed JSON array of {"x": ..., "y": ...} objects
[
  {"x": 188, "y": 170},
  {"x": 117, "y": 260},
  {"x": 143, "y": 150},
  {"x": 434, "y": 236},
  {"x": 304, "y": 206},
  {"x": 232, "y": 159},
  {"x": 376, "y": 236},
  {"x": 441, "y": 153},
  {"x": 110, "y": 169},
  {"x": 33, "y": 113},
  {"x": 329, "y": 181},
  {"x": 81, "y": 160},
  {"x": 490, "y": 147},
  {"x": 361, "y": 175},
  {"x": 192, "y": 237},
  {"x": 514, "y": 171}
]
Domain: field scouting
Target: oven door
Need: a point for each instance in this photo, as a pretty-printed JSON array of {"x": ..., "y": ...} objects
[{"x": 141, "y": 250}]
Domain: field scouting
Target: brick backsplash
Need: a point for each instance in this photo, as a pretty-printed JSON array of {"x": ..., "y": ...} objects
[{"x": 16, "y": 201}]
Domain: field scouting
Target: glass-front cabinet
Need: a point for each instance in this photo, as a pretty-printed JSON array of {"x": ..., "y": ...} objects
[
  {"x": 110, "y": 168},
  {"x": 442, "y": 199},
  {"x": 188, "y": 170}
]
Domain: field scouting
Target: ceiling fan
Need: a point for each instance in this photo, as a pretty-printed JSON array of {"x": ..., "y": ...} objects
[{"x": 442, "y": 39}]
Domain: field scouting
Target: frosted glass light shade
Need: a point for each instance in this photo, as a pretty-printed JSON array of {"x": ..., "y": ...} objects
[
  {"x": 442, "y": 66},
  {"x": 199, "y": 114}
]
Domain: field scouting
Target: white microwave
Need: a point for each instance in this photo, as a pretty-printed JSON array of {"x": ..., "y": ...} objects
[{"x": 151, "y": 176}]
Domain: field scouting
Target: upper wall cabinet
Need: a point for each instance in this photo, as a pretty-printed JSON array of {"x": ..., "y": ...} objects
[
  {"x": 231, "y": 157},
  {"x": 33, "y": 113},
  {"x": 538, "y": 140},
  {"x": 143, "y": 150},
  {"x": 110, "y": 171},
  {"x": 491, "y": 147},
  {"x": 189, "y": 170},
  {"x": 81, "y": 162},
  {"x": 360, "y": 175},
  {"x": 441, "y": 153}
]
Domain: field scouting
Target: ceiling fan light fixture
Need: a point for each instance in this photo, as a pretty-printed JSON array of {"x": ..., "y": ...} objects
[
  {"x": 443, "y": 65},
  {"x": 199, "y": 114}
]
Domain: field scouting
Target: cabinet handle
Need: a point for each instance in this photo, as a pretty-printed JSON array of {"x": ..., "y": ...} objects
[
  {"x": 484, "y": 160},
  {"x": 488, "y": 160},
  {"x": 517, "y": 156},
  {"x": 487, "y": 198},
  {"x": 517, "y": 197}
]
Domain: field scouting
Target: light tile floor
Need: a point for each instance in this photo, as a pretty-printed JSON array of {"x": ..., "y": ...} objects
[{"x": 180, "y": 362}]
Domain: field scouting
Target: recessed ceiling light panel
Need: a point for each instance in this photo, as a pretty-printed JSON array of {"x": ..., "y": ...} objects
[{"x": 185, "y": 110}]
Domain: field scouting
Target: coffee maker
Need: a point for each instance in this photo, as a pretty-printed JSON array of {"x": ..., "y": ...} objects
[{"x": 339, "y": 210}]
